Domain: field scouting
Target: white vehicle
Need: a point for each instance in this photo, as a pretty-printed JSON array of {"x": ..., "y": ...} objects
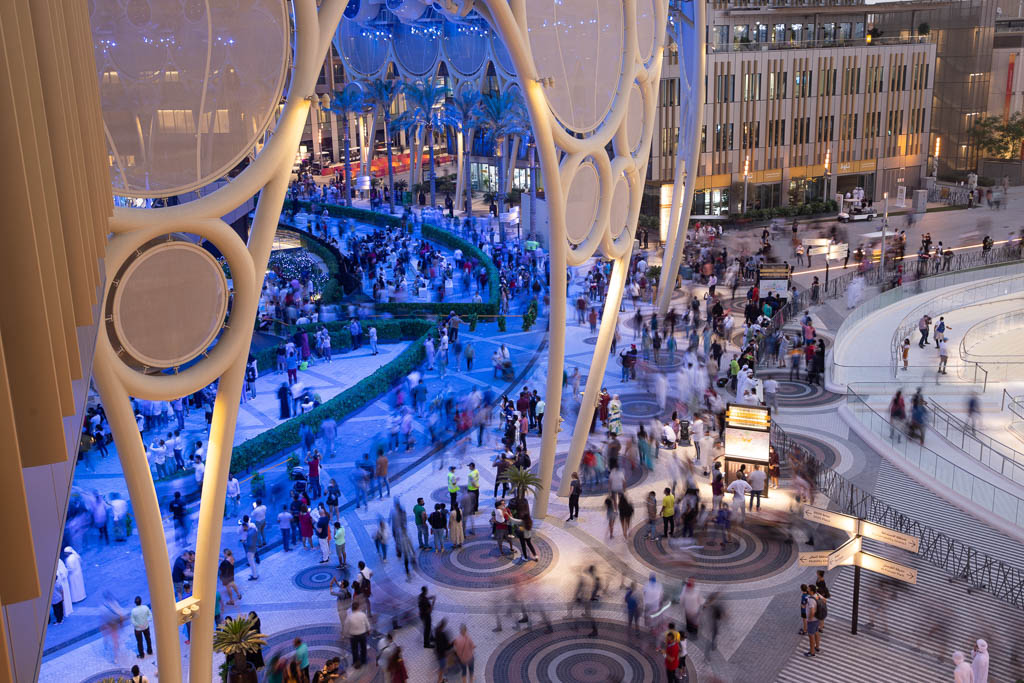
[{"x": 854, "y": 208}]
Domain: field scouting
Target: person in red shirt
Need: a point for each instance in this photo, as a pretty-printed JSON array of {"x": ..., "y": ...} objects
[{"x": 671, "y": 651}]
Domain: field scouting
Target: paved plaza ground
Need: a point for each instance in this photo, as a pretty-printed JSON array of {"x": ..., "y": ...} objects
[{"x": 907, "y": 632}]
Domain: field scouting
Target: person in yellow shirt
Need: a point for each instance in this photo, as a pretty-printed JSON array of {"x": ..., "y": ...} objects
[{"x": 668, "y": 513}]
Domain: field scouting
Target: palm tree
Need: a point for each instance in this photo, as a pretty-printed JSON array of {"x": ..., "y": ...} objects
[
  {"x": 422, "y": 100},
  {"x": 382, "y": 93},
  {"x": 346, "y": 102},
  {"x": 236, "y": 639},
  {"x": 498, "y": 116},
  {"x": 459, "y": 113},
  {"x": 522, "y": 481}
]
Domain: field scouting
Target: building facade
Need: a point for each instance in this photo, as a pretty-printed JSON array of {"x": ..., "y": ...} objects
[{"x": 806, "y": 100}]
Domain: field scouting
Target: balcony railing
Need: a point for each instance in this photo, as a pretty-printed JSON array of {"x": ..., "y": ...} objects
[{"x": 736, "y": 46}]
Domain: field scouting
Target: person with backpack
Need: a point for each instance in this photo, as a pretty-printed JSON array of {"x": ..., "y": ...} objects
[
  {"x": 823, "y": 595},
  {"x": 361, "y": 587}
]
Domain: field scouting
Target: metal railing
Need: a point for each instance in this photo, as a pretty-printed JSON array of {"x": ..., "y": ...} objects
[
  {"x": 978, "y": 490},
  {"x": 990, "y": 452},
  {"x": 758, "y": 46},
  {"x": 977, "y": 569},
  {"x": 916, "y": 270},
  {"x": 978, "y": 295},
  {"x": 1000, "y": 367}
]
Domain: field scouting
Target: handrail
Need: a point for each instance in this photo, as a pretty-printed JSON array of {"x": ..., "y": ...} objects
[
  {"x": 978, "y": 569},
  {"x": 975, "y": 443},
  {"x": 980, "y": 294},
  {"x": 925, "y": 269},
  {"x": 978, "y": 490}
]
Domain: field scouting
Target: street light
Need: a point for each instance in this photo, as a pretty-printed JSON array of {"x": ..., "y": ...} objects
[
  {"x": 746, "y": 179},
  {"x": 885, "y": 224},
  {"x": 828, "y": 173}
]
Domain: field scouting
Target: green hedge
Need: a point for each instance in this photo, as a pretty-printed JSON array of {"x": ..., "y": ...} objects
[
  {"x": 810, "y": 209},
  {"x": 256, "y": 450},
  {"x": 434, "y": 234},
  {"x": 388, "y": 331}
]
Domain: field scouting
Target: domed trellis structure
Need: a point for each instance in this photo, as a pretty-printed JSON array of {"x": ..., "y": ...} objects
[{"x": 180, "y": 108}]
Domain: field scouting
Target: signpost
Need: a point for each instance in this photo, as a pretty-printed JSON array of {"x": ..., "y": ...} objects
[
  {"x": 831, "y": 251},
  {"x": 773, "y": 277},
  {"x": 747, "y": 437},
  {"x": 851, "y": 552}
]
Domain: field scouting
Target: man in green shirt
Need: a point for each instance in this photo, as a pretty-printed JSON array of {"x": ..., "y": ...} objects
[
  {"x": 339, "y": 544},
  {"x": 734, "y": 371},
  {"x": 668, "y": 513},
  {"x": 474, "y": 488},
  {"x": 302, "y": 656},
  {"x": 419, "y": 515}
]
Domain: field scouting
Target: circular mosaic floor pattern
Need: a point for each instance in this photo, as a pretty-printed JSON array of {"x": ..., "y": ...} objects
[
  {"x": 325, "y": 642},
  {"x": 318, "y": 577},
  {"x": 755, "y": 551},
  {"x": 569, "y": 655},
  {"x": 824, "y": 453},
  {"x": 112, "y": 674},
  {"x": 796, "y": 394},
  {"x": 477, "y": 565},
  {"x": 634, "y": 476}
]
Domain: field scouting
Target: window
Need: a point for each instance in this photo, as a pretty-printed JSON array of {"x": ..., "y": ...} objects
[
  {"x": 669, "y": 141},
  {"x": 723, "y": 137},
  {"x": 703, "y": 138},
  {"x": 777, "y": 85},
  {"x": 725, "y": 85},
  {"x": 851, "y": 81},
  {"x": 720, "y": 35},
  {"x": 751, "y": 136},
  {"x": 898, "y": 78},
  {"x": 801, "y": 130},
  {"x": 919, "y": 77},
  {"x": 874, "y": 79},
  {"x": 827, "y": 82},
  {"x": 175, "y": 120},
  {"x": 669, "y": 94},
  {"x": 802, "y": 84},
  {"x": 915, "y": 122},
  {"x": 751, "y": 87},
  {"x": 825, "y": 125},
  {"x": 779, "y": 33},
  {"x": 740, "y": 34},
  {"x": 777, "y": 133},
  {"x": 894, "y": 123},
  {"x": 872, "y": 123},
  {"x": 848, "y": 126}
]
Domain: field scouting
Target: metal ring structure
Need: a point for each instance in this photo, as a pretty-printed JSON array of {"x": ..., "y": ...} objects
[
  {"x": 563, "y": 154},
  {"x": 117, "y": 381}
]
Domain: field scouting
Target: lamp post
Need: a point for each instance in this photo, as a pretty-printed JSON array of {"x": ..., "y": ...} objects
[
  {"x": 828, "y": 174},
  {"x": 746, "y": 180},
  {"x": 885, "y": 224}
]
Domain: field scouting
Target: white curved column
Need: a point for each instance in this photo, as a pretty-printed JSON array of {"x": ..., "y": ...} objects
[{"x": 686, "y": 170}]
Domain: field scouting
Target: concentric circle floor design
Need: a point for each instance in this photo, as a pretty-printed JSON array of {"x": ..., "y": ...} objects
[
  {"x": 324, "y": 641},
  {"x": 754, "y": 551},
  {"x": 570, "y": 655},
  {"x": 478, "y": 565},
  {"x": 634, "y": 475},
  {"x": 318, "y": 577},
  {"x": 823, "y": 452},
  {"x": 112, "y": 674}
]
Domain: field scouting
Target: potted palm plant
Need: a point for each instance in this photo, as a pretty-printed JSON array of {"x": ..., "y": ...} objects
[
  {"x": 522, "y": 481},
  {"x": 236, "y": 638}
]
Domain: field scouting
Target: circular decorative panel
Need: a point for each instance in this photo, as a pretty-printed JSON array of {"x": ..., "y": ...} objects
[
  {"x": 635, "y": 118},
  {"x": 646, "y": 30},
  {"x": 465, "y": 44},
  {"x": 186, "y": 88},
  {"x": 581, "y": 202},
  {"x": 166, "y": 305},
  {"x": 620, "y": 207},
  {"x": 417, "y": 46},
  {"x": 364, "y": 48},
  {"x": 579, "y": 44}
]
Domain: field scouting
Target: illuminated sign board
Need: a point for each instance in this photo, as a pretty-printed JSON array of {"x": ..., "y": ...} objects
[{"x": 748, "y": 417}]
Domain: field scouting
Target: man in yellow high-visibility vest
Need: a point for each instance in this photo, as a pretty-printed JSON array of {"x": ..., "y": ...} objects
[
  {"x": 474, "y": 488},
  {"x": 453, "y": 486}
]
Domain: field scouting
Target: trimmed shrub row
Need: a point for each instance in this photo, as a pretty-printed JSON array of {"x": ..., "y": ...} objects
[
  {"x": 434, "y": 234},
  {"x": 255, "y": 451}
]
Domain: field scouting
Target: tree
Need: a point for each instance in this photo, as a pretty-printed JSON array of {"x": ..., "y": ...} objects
[
  {"x": 459, "y": 113},
  {"x": 236, "y": 639},
  {"x": 999, "y": 137},
  {"x": 346, "y": 102},
  {"x": 923, "y": 28},
  {"x": 382, "y": 93},
  {"x": 522, "y": 481},
  {"x": 422, "y": 100},
  {"x": 499, "y": 118}
]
